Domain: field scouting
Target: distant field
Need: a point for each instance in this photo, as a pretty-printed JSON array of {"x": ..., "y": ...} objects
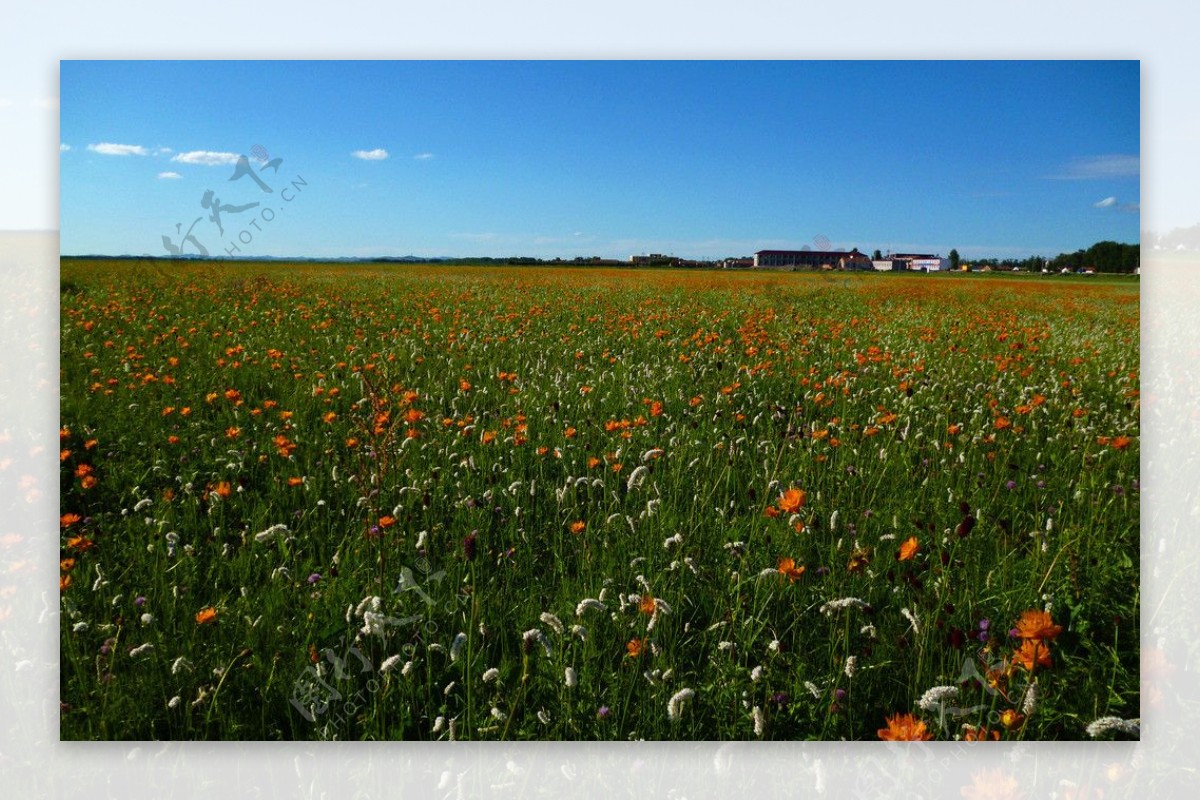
[{"x": 306, "y": 501}]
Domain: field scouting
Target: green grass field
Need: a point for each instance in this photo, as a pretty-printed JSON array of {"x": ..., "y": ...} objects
[{"x": 310, "y": 501}]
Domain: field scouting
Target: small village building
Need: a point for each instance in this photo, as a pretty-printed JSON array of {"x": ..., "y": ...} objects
[{"x": 812, "y": 260}]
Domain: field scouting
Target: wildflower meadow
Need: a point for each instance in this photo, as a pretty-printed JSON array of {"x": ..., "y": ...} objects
[{"x": 376, "y": 501}]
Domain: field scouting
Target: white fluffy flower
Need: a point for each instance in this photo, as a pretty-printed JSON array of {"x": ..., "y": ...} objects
[
  {"x": 637, "y": 477},
  {"x": 490, "y": 675},
  {"x": 589, "y": 603},
  {"x": 456, "y": 647},
  {"x": 389, "y": 663},
  {"x": 675, "y": 705},
  {"x": 270, "y": 533},
  {"x": 759, "y": 724},
  {"x": 1106, "y": 724},
  {"x": 934, "y": 697},
  {"x": 569, "y": 678},
  {"x": 552, "y": 621},
  {"x": 838, "y": 604}
]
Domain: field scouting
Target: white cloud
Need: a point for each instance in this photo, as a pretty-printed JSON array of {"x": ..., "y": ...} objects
[
  {"x": 378, "y": 154},
  {"x": 1092, "y": 167},
  {"x": 169, "y": 175},
  {"x": 161, "y": 151},
  {"x": 111, "y": 149},
  {"x": 423, "y": 156},
  {"x": 207, "y": 158},
  {"x": 1106, "y": 203},
  {"x": 63, "y": 147}
]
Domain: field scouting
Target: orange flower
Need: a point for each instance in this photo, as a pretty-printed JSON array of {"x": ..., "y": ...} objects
[
  {"x": 1011, "y": 718},
  {"x": 593, "y": 462},
  {"x": 64, "y": 455},
  {"x": 295, "y": 481},
  {"x": 578, "y": 526},
  {"x": 908, "y": 550},
  {"x": 233, "y": 432},
  {"x": 352, "y": 442},
  {"x": 88, "y": 482},
  {"x": 387, "y": 521},
  {"x": 68, "y": 520},
  {"x": 63, "y": 583},
  {"x": 223, "y": 489},
  {"x": 1120, "y": 443},
  {"x": 206, "y": 615},
  {"x": 859, "y": 558},
  {"x": 791, "y": 500},
  {"x": 771, "y": 511},
  {"x": 1037, "y": 625},
  {"x": 329, "y": 417},
  {"x": 1033, "y": 653},
  {"x": 953, "y": 429},
  {"x": 83, "y": 470},
  {"x": 570, "y": 432},
  {"x": 656, "y": 408},
  {"x": 79, "y": 543},
  {"x": 904, "y": 727},
  {"x": 787, "y": 567},
  {"x": 1002, "y": 423},
  {"x": 646, "y": 605},
  {"x": 65, "y": 565},
  {"x": 172, "y": 440},
  {"x": 233, "y": 395},
  {"x": 634, "y": 647},
  {"x": 972, "y": 734}
]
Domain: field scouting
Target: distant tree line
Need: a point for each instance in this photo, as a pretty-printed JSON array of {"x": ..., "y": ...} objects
[{"x": 1103, "y": 257}]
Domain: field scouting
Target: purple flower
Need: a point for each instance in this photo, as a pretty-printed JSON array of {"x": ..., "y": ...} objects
[
  {"x": 1011, "y": 485},
  {"x": 314, "y": 578},
  {"x": 779, "y": 698},
  {"x": 1118, "y": 489},
  {"x": 840, "y": 694},
  {"x": 139, "y": 601},
  {"x": 603, "y": 712},
  {"x": 983, "y": 636}
]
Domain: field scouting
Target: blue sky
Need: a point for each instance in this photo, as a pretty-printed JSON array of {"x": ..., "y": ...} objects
[{"x": 701, "y": 159}]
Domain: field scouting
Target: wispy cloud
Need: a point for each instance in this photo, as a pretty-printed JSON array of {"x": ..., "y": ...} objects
[
  {"x": 378, "y": 154},
  {"x": 1095, "y": 167},
  {"x": 423, "y": 156},
  {"x": 112, "y": 149},
  {"x": 63, "y": 147},
  {"x": 208, "y": 158},
  {"x": 1113, "y": 203},
  {"x": 162, "y": 151},
  {"x": 169, "y": 175}
]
